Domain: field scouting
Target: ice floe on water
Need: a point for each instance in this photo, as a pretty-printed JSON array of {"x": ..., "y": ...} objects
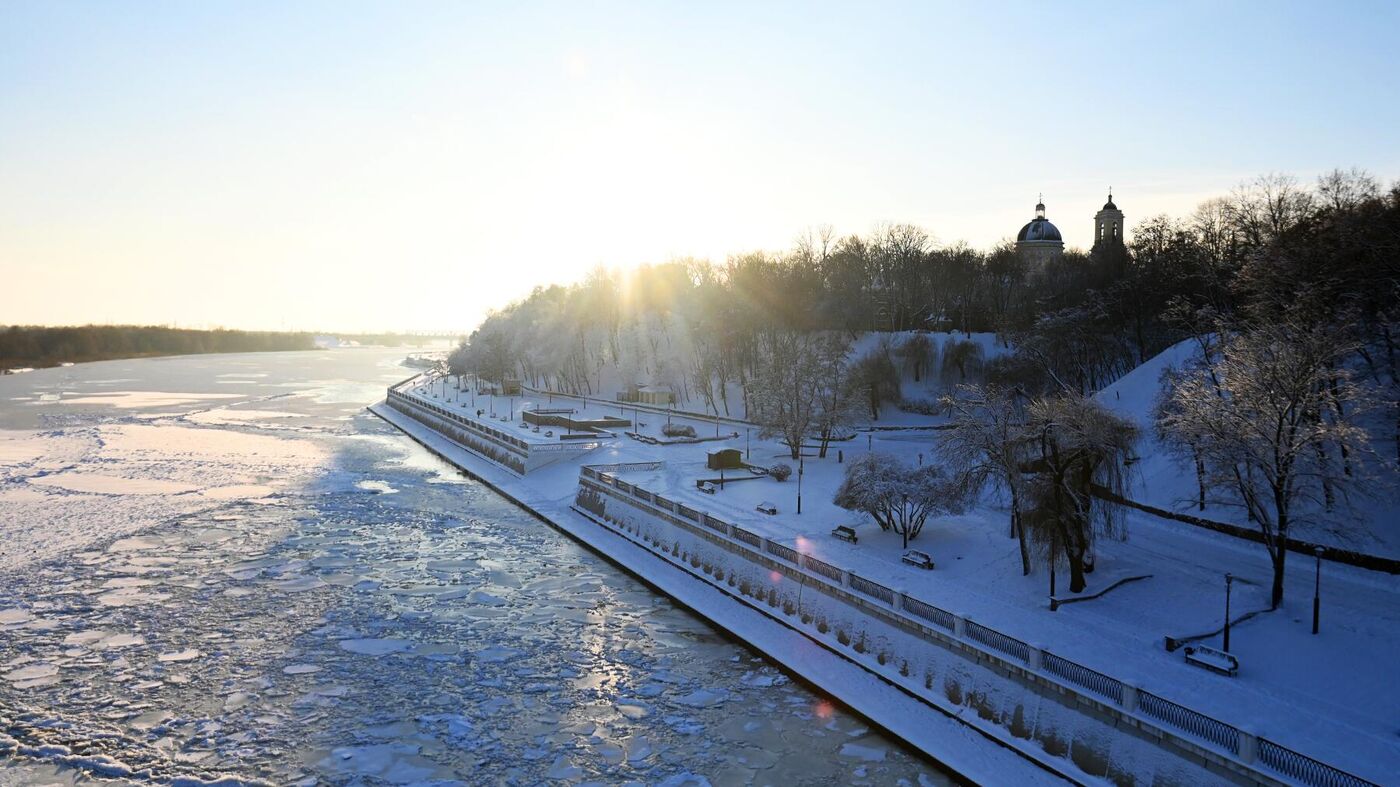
[
  {"x": 375, "y": 647},
  {"x": 321, "y": 635}
]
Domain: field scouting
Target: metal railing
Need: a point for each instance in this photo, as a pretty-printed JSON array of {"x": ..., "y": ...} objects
[
  {"x": 1083, "y": 677},
  {"x": 746, "y": 537},
  {"x": 822, "y": 567},
  {"x": 998, "y": 641},
  {"x": 935, "y": 615},
  {"x": 1304, "y": 768},
  {"x": 1279, "y": 759},
  {"x": 786, "y": 553},
  {"x": 872, "y": 588},
  {"x": 1217, "y": 732}
]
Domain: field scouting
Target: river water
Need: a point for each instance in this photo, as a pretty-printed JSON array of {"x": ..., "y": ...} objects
[{"x": 223, "y": 566}]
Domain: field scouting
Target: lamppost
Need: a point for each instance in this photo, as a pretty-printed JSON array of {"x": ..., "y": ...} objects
[
  {"x": 869, "y": 442},
  {"x": 746, "y": 442},
  {"x": 1228, "y": 580},
  {"x": 1317, "y": 587},
  {"x": 800, "y": 467},
  {"x": 511, "y": 415}
]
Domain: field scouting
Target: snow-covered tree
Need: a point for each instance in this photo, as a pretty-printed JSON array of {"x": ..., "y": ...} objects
[
  {"x": 790, "y": 393},
  {"x": 897, "y": 496},
  {"x": 988, "y": 446},
  {"x": 1079, "y": 452},
  {"x": 1271, "y": 415}
]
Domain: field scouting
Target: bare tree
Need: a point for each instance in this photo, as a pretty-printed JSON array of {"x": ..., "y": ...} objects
[
  {"x": 791, "y": 392},
  {"x": 1260, "y": 416},
  {"x": 987, "y": 447},
  {"x": 1081, "y": 448},
  {"x": 1342, "y": 190},
  {"x": 875, "y": 376},
  {"x": 964, "y": 355},
  {"x": 916, "y": 351}
]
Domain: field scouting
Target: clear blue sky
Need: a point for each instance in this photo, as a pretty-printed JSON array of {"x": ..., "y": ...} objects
[{"x": 409, "y": 165}]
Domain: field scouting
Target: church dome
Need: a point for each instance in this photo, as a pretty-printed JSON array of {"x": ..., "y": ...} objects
[
  {"x": 1039, "y": 228},
  {"x": 1109, "y": 205}
]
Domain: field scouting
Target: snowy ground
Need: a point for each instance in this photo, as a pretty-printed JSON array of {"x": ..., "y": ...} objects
[
  {"x": 1328, "y": 695},
  {"x": 354, "y": 613}
]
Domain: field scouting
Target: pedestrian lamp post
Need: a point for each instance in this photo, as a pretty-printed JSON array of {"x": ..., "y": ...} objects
[
  {"x": 746, "y": 443},
  {"x": 1228, "y": 580},
  {"x": 1317, "y": 588},
  {"x": 511, "y": 413},
  {"x": 717, "y": 423},
  {"x": 800, "y": 467},
  {"x": 869, "y": 442}
]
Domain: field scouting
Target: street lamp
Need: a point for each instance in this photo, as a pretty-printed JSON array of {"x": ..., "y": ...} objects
[
  {"x": 746, "y": 442},
  {"x": 800, "y": 467},
  {"x": 1317, "y": 587},
  {"x": 1228, "y": 580}
]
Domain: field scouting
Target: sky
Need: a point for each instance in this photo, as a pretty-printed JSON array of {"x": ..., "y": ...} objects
[{"x": 346, "y": 166}]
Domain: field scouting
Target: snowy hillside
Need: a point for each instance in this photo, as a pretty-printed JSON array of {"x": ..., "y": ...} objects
[{"x": 1167, "y": 481}]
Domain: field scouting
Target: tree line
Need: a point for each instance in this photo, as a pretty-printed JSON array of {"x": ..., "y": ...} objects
[
  {"x": 41, "y": 346},
  {"x": 1291, "y": 293}
]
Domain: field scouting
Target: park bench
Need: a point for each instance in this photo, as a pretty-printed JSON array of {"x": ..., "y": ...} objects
[
  {"x": 845, "y": 533},
  {"x": 707, "y": 487},
  {"x": 1212, "y": 659},
  {"x": 766, "y": 508},
  {"x": 918, "y": 559}
]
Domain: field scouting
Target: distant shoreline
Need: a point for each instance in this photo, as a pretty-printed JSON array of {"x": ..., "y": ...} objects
[{"x": 37, "y": 347}]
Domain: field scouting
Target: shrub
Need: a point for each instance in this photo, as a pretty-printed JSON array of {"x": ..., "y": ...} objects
[
  {"x": 842, "y": 637},
  {"x": 904, "y": 668},
  {"x": 860, "y": 643},
  {"x": 920, "y": 406},
  {"x": 780, "y": 471},
  {"x": 821, "y": 625},
  {"x": 678, "y": 430}
]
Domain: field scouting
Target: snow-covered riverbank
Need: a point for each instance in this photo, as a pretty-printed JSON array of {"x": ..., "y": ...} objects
[{"x": 1119, "y": 635}]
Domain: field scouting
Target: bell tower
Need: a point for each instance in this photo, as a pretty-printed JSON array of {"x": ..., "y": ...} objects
[{"x": 1108, "y": 226}]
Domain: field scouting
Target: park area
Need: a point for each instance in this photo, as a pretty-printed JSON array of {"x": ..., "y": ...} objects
[{"x": 1167, "y": 578}]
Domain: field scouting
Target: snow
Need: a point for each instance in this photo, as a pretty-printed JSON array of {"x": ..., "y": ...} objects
[{"x": 1349, "y": 704}]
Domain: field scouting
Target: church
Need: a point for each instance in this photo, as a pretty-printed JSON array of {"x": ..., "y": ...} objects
[{"x": 1039, "y": 242}]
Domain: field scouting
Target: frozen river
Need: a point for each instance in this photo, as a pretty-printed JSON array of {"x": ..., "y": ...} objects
[{"x": 222, "y": 566}]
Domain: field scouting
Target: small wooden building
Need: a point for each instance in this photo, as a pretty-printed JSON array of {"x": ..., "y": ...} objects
[{"x": 724, "y": 459}]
